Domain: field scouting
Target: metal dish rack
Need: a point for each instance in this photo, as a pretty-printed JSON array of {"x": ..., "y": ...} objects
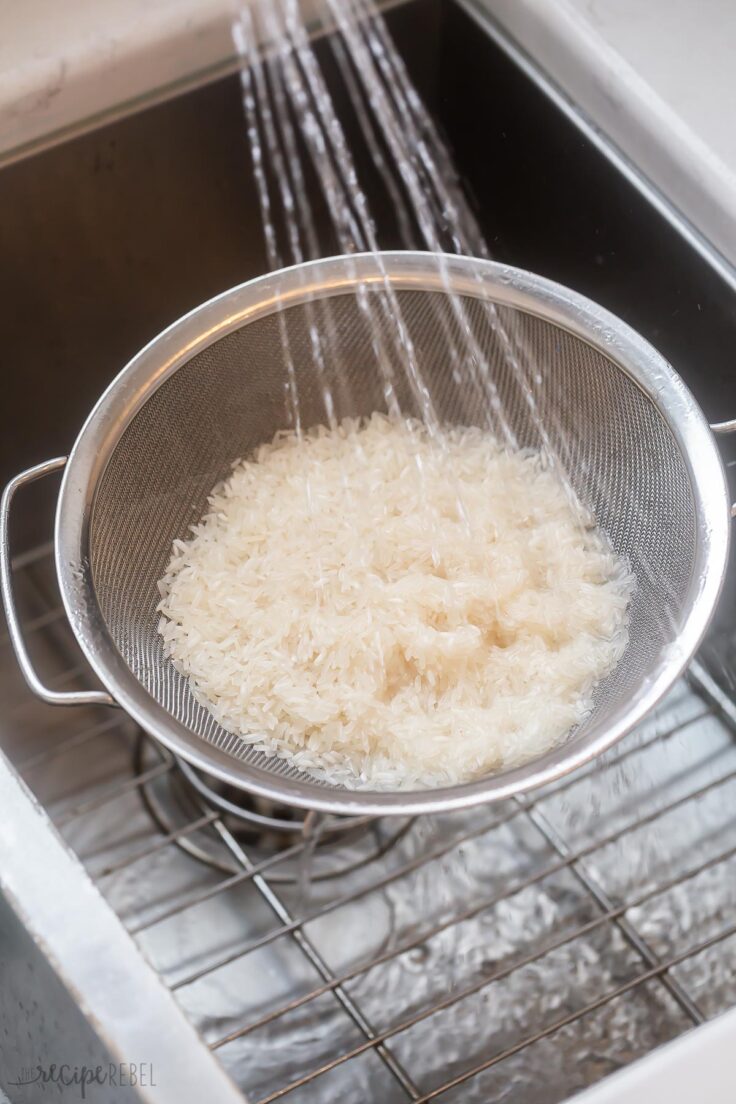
[{"x": 524, "y": 950}]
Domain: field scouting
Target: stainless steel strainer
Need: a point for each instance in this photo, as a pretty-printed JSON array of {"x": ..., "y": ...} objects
[{"x": 636, "y": 445}]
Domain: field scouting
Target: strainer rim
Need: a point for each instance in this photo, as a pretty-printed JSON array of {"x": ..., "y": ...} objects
[{"x": 407, "y": 270}]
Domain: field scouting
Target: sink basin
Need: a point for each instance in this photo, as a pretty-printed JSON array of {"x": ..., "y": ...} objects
[{"x": 528, "y": 949}]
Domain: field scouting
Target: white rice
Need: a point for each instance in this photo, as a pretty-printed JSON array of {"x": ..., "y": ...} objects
[{"x": 377, "y": 626}]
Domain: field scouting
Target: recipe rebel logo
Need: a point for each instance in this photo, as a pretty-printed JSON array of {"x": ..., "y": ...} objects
[{"x": 86, "y": 1078}]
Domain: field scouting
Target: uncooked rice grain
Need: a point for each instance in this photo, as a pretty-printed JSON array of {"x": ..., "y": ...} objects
[{"x": 388, "y": 608}]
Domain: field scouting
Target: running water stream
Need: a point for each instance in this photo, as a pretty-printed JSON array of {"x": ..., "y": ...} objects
[
  {"x": 290, "y": 110},
  {"x": 295, "y": 112}
]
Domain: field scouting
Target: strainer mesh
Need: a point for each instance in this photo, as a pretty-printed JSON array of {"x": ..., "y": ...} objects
[{"x": 618, "y": 450}]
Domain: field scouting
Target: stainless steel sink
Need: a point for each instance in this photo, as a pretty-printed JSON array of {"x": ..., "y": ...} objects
[{"x": 522, "y": 951}]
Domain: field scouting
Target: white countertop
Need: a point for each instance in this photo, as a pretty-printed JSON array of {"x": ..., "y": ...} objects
[
  {"x": 65, "y": 64},
  {"x": 657, "y": 76}
]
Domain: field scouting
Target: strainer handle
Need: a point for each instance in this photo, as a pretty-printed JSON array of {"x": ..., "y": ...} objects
[
  {"x": 53, "y": 697},
  {"x": 726, "y": 427}
]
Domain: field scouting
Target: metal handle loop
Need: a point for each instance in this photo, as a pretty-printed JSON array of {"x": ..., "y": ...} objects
[
  {"x": 53, "y": 697},
  {"x": 726, "y": 427}
]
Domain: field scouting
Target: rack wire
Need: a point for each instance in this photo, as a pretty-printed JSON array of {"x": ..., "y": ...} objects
[{"x": 537, "y": 944}]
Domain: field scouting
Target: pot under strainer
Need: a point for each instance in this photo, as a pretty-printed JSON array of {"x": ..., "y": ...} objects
[{"x": 635, "y": 444}]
